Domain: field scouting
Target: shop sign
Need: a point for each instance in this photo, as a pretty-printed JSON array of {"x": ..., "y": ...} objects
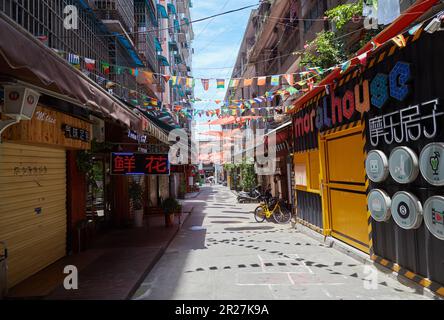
[
  {"x": 45, "y": 117},
  {"x": 434, "y": 216},
  {"x": 431, "y": 163},
  {"x": 379, "y": 205},
  {"x": 377, "y": 166},
  {"x": 76, "y": 133},
  {"x": 34, "y": 171},
  {"x": 139, "y": 164},
  {"x": 405, "y": 125},
  {"x": 403, "y": 165},
  {"x": 133, "y": 135},
  {"x": 335, "y": 110},
  {"x": 406, "y": 210}
]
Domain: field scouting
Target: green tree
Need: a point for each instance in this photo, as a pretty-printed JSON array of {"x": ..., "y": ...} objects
[
  {"x": 327, "y": 51},
  {"x": 248, "y": 176},
  {"x": 342, "y": 14}
]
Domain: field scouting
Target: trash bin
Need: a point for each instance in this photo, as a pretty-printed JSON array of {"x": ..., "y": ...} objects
[{"x": 3, "y": 270}]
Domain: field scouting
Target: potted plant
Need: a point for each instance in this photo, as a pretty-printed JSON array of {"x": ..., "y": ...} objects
[
  {"x": 136, "y": 195},
  {"x": 182, "y": 191},
  {"x": 170, "y": 206}
]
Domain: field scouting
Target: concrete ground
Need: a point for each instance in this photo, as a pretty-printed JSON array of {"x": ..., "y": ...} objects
[{"x": 222, "y": 253}]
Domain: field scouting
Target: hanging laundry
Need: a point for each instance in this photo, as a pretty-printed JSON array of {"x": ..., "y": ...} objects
[{"x": 388, "y": 11}]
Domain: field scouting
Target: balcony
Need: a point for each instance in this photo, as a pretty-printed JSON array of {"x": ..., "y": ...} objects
[{"x": 118, "y": 14}]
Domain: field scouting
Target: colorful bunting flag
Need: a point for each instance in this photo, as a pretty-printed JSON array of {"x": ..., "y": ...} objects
[
  {"x": 174, "y": 80},
  {"x": 166, "y": 78},
  {"x": 275, "y": 80},
  {"x": 345, "y": 66},
  {"x": 316, "y": 70},
  {"x": 74, "y": 60},
  {"x": 189, "y": 82},
  {"x": 104, "y": 66},
  {"x": 400, "y": 41},
  {"x": 261, "y": 81},
  {"x": 290, "y": 79},
  {"x": 205, "y": 84},
  {"x": 415, "y": 29},
  {"x": 248, "y": 82},
  {"x": 90, "y": 64},
  {"x": 234, "y": 83},
  {"x": 363, "y": 58},
  {"x": 220, "y": 83}
]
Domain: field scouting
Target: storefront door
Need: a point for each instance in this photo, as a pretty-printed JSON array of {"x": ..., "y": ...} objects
[
  {"x": 32, "y": 207},
  {"x": 343, "y": 186}
]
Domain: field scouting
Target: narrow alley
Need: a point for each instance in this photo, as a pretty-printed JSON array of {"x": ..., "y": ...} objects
[{"x": 222, "y": 253}]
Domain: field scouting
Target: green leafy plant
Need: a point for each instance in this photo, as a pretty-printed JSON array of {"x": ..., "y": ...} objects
[
  {"x": 327, "y": 51},
  {"x": 248, "y": 176},
  {"x": 136, "y": 194},
  {"x": 170, "y": 205},
  {"x": 342, "y": 14}
]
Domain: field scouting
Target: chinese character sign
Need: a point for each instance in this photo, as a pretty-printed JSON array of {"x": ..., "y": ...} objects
[{"x": 139, "y": 164}]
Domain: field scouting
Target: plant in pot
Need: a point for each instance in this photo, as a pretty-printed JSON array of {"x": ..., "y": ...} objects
[
  {"x": 182, "y": 191},
  {"x": 136, "y": 196},
  {"x": 170, "y": 207}
]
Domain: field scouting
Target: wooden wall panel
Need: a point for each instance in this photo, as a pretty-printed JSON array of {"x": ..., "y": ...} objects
[{"x": 45, "y": 128}]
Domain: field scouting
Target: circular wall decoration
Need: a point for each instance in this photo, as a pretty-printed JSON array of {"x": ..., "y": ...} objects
[
  {"x": 431, "y": 163},
  {"x": 434, "y": 216},
  {"x": 403, "y": 165},
  {"x": 376, "y": 166},
  {"x": 406, "y": 210},
  {"x": 379, "y": 205}
]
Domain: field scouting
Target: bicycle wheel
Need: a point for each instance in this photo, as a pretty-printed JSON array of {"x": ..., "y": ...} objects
[
  {"x": 259, "y": 214},
  {"x": 282, "y": 215}
]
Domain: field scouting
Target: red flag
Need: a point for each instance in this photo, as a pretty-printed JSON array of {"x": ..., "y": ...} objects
[{"x": 206, "y": 84}]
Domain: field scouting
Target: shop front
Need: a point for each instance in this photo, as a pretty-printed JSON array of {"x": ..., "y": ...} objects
[
  {"x": 34, "y": 189},
  {"x": 378, "y": 156}
]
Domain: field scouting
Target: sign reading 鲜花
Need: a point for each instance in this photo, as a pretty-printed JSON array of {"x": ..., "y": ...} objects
[{"x": 139, "y": 164}]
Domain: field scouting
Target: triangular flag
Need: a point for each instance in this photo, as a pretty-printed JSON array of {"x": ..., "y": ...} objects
[
  {"x": 261, "y": 81},
  {"x": 415, "y": 29},
  {"x": 205, "y": 84},
  {"x": 166, "y": 78},
  {"x": 174, "y": 80},
  {"x": 400, "y": 41},
  {"x": 363, "y": 58},
  {"x": 290, "y": 79},
  {"x": 145, "y": 77},
  {"x": 345, "y": 66}
]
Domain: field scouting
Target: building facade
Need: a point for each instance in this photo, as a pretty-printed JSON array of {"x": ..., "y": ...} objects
[{"x": 96, "y": 93}]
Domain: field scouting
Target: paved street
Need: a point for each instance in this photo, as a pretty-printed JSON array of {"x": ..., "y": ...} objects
[{"x": 222, "y": 253}]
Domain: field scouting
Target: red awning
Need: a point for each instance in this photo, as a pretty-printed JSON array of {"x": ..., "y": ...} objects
[{"x": 24, "y": 58}]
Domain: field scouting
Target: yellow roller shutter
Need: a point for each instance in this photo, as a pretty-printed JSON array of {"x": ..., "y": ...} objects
[{"x": 32, "y": 207}]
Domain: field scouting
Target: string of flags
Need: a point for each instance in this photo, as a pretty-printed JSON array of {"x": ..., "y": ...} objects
[
  {"x": 190, "y": 82},
  {"x": 306, "y": 82}
]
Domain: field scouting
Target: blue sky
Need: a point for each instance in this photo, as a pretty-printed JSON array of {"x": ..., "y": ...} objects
[{"x": 216, "y": 45}]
